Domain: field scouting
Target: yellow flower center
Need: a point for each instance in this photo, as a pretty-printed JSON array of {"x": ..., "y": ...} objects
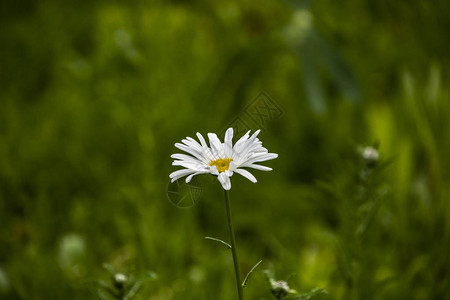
[{"x": 222, "y": 164}]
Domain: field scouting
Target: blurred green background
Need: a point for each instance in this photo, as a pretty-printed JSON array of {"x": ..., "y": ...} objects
[{"x": 94, "y": 95}]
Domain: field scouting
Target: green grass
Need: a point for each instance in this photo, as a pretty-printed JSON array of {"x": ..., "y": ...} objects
[{"x": 93, "y": 98}]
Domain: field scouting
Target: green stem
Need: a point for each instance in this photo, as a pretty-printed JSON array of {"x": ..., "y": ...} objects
[{"x": 233, "y": 249}]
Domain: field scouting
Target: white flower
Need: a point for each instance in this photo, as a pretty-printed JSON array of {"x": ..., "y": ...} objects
[
  {"x": 221, "y": 159},
  {"x": 370, "y": 155}
]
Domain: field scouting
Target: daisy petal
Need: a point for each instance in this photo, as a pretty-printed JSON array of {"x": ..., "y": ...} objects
[
  {"x": 225, "y": 181},
  {"x": 259, "y": 158},
  {"x": 229, "y": 173},
  {"x": 228, "y": 146},
  {"x": 216, "y": 145},
  {"x": 180, "y": 173},
  {"x": 213, "y": 170},
  {"x": 202, "y": 140},
  {"x": 192, "y": 152},
  {"x": 233, "y": 166},
  {"x": 195, "y": 167},
  {"x": 246, "y": 174},
  {"x": 241, "y": 142},
  {"x": 189, "y": 178},
  {"x": 258, "y": 167},
  {"x": 185, "y": 157}
]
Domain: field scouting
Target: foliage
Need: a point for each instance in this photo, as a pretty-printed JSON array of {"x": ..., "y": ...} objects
[{"x": 94, "y": 96}]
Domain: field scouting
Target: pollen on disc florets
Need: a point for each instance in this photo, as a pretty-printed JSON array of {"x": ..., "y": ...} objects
[{"x": 222, "y": 164}]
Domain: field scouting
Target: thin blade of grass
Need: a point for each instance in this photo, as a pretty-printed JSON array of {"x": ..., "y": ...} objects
[
  {"x": 218, "y": 240},
  {"x": 244, "y": 283}
]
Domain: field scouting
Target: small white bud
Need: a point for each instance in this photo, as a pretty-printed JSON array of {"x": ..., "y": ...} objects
[
  {"x": 280, "y": 289},
  {"x": 370, "y": 155},
  {"x": 120, "y": 280}
]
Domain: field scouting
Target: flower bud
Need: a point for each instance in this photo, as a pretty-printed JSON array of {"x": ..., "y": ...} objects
[
  {"x": 370, "y": 155},
  {"x": 120, "y": 280},
  {"x": 280, "y": 289}
]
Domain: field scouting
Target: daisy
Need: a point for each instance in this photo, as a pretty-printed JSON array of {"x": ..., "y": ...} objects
[{"x": 221, "y": 159}]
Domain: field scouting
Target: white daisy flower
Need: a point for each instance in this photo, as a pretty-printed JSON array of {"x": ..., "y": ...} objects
[{"x": 221, "y": 159}]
